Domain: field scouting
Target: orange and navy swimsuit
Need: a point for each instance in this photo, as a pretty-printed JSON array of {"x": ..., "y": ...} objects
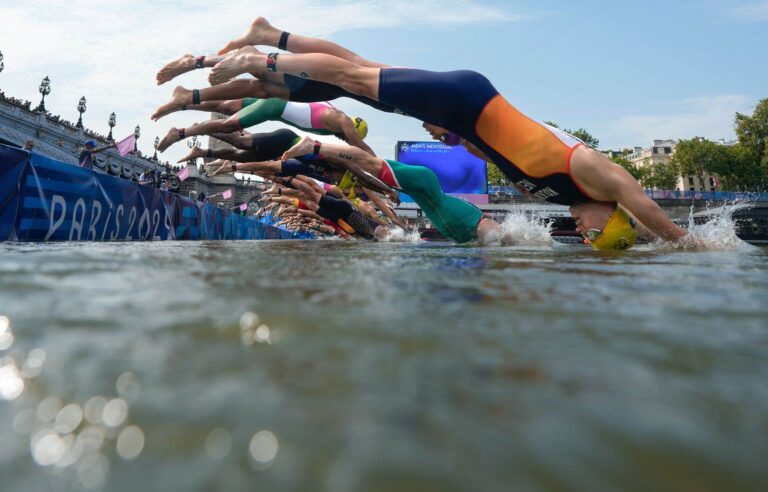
[{"x": 535, "y": 157}]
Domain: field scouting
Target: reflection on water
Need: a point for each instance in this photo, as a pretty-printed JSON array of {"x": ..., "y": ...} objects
[{"x": 396, "y": 366}]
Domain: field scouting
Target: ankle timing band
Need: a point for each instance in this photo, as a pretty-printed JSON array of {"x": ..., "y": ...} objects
[
  {"x": 195, "y": 96},
  {"x": 283, "y": 41},
  {"x": 199, "y": 61},
  {"x": 272, "y": 62}
]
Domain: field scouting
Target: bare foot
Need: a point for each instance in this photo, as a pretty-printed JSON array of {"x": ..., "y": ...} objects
[
  {"x": 177, "y": 67},
  {"x": 305, "y": 146},
  {"x": 194, "y": 154},
  {"x": 179, "y": 98},
  {"x": 488, "y": 231},
  {"x": 260, "y": 32},
  {"x": 224, "y": 168},
  {"x": 241, "y": 62},
  {"x": 169, "y": 139}
]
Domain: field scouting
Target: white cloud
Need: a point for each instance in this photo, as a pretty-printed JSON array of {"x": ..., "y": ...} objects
[
  {"x": 709, "y": 117},
  {"x": 110, "y": 51},
  {"x": 755, "y": 12}
]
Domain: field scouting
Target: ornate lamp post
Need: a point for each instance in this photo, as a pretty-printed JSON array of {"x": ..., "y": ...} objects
[
  {"x": 193, "y": 143},
  {"x": 137, "y": 134},
  {"x": 45, "y": 89},
  {"x": 112, "y": 122},
  {"x": 157, "y": 142},
  {"x": 2, "y": 66},
  {"x": 81, "y": 110}
]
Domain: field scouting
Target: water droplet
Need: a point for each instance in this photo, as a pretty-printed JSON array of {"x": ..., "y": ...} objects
[
  {"x": 49, "y": 408},
  {"x": 263, "y": 447},
  {"x": 92, "y": 471},
  {"x": 249, "y": 320},
  {"x": 128, "y": 386},
  {"x": 115, "y": 412},
  {"x": 48, "y": 447},
  {"x": 11, "y": 384},
  {"x": 92, "y": 438},
  {"x": 218, "y": 443},
  {"x": 94, "y": 409},
  {"x": 69, "y": 418},
  {"x": 130, "y": 442},
  {"x": 34, "y": 363},
  {"x": 6, "y": 340},
  {"x": 262, "y": 334}
]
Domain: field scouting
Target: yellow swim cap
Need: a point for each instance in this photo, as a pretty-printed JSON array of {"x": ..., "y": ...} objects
[
  {"x": 618, "y": 234},
  {"x": 361, "y": 126}
]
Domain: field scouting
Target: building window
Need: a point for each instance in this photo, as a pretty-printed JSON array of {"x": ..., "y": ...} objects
[
  {"x": 692, "y": 189},
  {"x": 690, "y": 181},
  {"x": 712, "y": 182}
]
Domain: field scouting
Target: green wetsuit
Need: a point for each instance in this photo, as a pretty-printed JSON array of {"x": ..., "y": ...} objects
[
  {"x": 304, "y": 116},
  {"x": 453, "y": 217}
]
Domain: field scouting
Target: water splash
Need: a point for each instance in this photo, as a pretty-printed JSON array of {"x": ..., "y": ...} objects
[
  {"x": 398, "y": 235},
  {"x": 717, "y": 233},
  {"x": 521, "y": 229}
]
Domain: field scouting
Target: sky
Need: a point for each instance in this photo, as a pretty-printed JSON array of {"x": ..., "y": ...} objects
[{"x": 628, "y": 72}]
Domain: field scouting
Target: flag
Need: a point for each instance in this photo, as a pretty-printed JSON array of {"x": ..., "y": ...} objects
[
  {"x": 183, "y": 174},
  {"x": 243, "y": 207},
  {"x": 227, "y": 194},
  {"x": 126, "y": 145}
]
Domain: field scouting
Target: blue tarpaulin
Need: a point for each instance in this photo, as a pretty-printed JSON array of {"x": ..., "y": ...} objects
[{"x": 46, "y": 200}]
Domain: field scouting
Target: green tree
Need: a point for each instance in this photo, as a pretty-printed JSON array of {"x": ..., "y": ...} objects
[
  {"x": 753, "y": 138},
  {"x": 495, "y": 176},
  {"x": 581, "y": 134},
  {"x": 637, "y": 172},
  {"x": 661, "y": 176},
  {"x": 585, "y": 137},
  {"x": 699, "y": 156}
]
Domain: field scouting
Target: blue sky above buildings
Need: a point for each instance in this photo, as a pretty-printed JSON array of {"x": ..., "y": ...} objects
[{"x": 628, "y": 72}]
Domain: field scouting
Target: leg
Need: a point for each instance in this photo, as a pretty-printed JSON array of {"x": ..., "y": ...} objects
[
  {"x": 262, "y": 32},
  {"x": 341, "y": 155},
  {"x": 226, "y": 154},
  {"x": 363, "y": 81},
  {"x": 453, "y": 217},
  {"x": 205, "y": 128},
  {"x": 237, "y": 140},
  {"x": 181, "y": 99},
  {"x": 185, "y": 64}
]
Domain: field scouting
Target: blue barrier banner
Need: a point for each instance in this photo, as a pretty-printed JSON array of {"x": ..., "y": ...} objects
[{"x": 46, "y": 200}]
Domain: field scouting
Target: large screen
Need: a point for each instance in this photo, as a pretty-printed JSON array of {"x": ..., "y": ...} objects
[{"x": 459, "y": 172}]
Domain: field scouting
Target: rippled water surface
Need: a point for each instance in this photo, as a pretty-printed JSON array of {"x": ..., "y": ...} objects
[{"x": 337, "y": 366}]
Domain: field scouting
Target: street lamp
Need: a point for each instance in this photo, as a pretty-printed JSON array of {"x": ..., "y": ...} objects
[
  {"x": 45, "y": 89},
  {"x": 2, "y": 66},
  {"x": 193, "y": 143},
  {"x": 112, "y": 122},
  {"x": 157, "y": 142},
  {"x": 81, "y": 110},
  {"x": 137, "y": 134}
]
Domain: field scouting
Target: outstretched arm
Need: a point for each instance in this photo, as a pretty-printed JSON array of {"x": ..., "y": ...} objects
[
  {"x": 630, "y": 195},
  {"x": 381, "y": 205}
]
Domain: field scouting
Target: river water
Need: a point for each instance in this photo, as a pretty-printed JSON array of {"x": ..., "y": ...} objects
[{"x": 350, "y": 366}]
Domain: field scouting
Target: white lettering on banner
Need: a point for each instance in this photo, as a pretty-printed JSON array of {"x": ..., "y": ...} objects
[
  {"x": 118, "y": 217},
  {"x": 526, "y": 185},
  {"x": 56, "y": 200},
  {"x": 169, "y": 226},
  {"x": 77, "y": 225},
  {"x": 131, "y": 221},
  {"x": 94, "y": 220},
  {"x": 144, "y": 219},
  {"x": 156, "y": 217},
  {"x": 106, "y": 223}
]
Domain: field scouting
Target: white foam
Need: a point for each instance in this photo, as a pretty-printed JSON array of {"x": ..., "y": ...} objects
[
  {"x": 718, "y": 233},
  {"x": 398, "y": 235},
  {"x": 521, "y": 229}
]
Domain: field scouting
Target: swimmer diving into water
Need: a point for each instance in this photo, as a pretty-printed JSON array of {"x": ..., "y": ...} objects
[{"x": 548, "y": 163}]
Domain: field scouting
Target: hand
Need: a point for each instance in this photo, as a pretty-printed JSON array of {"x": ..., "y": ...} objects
[{"x": 394, "y": 196}]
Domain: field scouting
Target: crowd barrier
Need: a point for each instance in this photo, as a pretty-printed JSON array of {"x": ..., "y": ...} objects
[{"x": 46, "y": 200}]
